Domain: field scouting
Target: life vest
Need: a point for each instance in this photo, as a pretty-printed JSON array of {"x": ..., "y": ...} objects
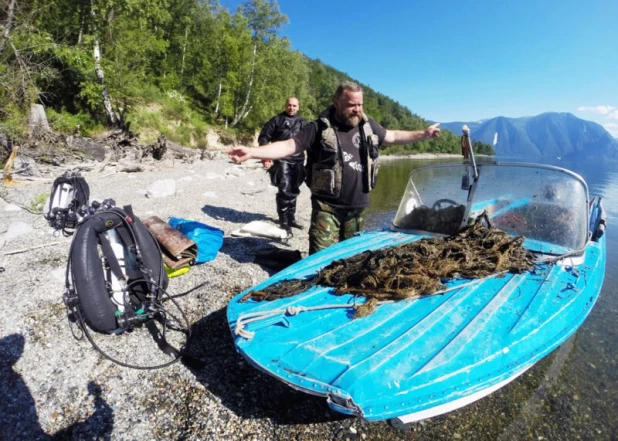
[
  {"x": 325, "y": 167},
  {"x": 121, "y": 286},
  {"x": 67, "y": 203}
]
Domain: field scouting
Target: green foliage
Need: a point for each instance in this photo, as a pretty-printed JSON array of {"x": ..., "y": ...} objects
[
  {"x": 73, "y": 123},
  {"x": 483, "y": 149},
  {"x": 172, "y": 67},
  {"x": 171, "y": 115},
  {"x": 13, "y": 123}
]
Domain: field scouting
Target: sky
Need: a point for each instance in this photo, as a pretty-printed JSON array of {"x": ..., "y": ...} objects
[{"x": 469, "y": 60}]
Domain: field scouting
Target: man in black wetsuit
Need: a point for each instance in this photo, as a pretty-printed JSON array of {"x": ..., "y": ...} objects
[
  {"x": 342, "y": 162},
  {"x": 287, "y": 173}
]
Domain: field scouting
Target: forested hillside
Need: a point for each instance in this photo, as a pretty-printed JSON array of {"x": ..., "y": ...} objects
[{"x": 175, "y": 67}]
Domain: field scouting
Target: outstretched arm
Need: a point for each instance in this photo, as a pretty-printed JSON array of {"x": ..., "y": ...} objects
[
  {"x": 398, "y": 137},
  {"x": 276, "y": 150}
]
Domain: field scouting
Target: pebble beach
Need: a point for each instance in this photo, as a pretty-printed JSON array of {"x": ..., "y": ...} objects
[{"x": 56, "y": 387}]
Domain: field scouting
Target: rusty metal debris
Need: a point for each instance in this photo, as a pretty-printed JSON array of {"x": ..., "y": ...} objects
[{"x": 178, "y": 250}]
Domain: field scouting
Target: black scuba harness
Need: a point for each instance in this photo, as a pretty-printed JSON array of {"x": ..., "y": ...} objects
[{"x": 115, "y": 282}]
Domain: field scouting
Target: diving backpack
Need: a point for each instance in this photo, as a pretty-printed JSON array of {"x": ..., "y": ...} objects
[{"x": 115, "y": 279}]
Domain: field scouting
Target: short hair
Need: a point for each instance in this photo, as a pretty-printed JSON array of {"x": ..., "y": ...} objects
[
  {"x": 350, "y": 86},
  {"x": 292, "y": 98}
]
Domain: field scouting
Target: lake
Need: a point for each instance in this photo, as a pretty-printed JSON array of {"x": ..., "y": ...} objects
[{"x": 571, "y": 394}]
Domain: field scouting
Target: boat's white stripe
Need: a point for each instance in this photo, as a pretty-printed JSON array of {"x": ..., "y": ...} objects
[{"x": 456, "y": 404}]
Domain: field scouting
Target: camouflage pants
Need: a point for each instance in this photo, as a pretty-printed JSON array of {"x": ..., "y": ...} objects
[{"x": 330, "y": 225}]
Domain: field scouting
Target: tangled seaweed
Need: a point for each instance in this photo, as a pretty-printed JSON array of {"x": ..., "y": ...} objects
[{"x": 415, "y": 269}]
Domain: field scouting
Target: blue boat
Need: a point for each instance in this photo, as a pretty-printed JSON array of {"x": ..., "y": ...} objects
[{"x": 415, "y": 359}]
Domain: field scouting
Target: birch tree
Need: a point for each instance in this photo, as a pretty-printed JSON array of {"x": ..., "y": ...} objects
[
  {"x": 7, "y": 25},
  {"x": 265, "y": 18},
  {"x": 98, "y": 70}
]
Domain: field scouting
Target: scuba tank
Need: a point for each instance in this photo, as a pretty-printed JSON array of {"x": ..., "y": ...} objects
[
  {"x": 117, "y": 287},
  {"x": 68, "y": 203}
]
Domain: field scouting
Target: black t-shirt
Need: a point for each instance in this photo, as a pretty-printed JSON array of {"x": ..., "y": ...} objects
[{"x": 352, "y": 195}]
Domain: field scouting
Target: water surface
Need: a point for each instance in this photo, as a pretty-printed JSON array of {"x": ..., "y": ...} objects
[{"x": 572, "y": 393}]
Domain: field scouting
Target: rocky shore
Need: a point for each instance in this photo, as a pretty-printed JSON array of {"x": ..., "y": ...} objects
[{"x": 54, "y": 387}]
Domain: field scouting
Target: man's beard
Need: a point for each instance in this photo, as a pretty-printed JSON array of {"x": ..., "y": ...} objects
[{"x": 351, "y": 120}]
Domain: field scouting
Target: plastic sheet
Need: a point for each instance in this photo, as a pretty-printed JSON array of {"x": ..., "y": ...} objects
[{"x": 209, "y": 239}]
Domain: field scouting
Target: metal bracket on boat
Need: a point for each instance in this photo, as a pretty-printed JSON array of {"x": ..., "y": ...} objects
[
  {"x": 265, "y": 319},
  {"x": 343, "y": 405},
  {"x": 466, "y": 135},
  {"x": 466, "y": 178}
]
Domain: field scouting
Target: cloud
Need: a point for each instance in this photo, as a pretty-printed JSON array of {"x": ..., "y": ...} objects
[
  {"x": 610, "y": 111},
  {"x": 609, "y": 115},
  {"x": 612, "y": 128}
]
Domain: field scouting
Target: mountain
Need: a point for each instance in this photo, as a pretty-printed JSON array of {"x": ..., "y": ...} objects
[{"x": 549, "y": 134}]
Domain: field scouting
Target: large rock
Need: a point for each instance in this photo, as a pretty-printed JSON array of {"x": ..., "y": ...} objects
[
  {"x": 37, "y": 121},
  {"x": 91, "y": 148},
  {"x": 223, "y": 141},
  {"x": 17, "y": 229}
]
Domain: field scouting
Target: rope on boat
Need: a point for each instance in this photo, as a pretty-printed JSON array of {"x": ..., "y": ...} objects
[{"x": 252, "y": 317}]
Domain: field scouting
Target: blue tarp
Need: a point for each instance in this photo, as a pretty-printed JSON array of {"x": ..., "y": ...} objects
[{"x": 208, "y": 239}]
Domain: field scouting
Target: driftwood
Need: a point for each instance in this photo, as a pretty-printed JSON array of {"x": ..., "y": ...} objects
[
  {"x": 74, "y": 152},
  {"x": 252, "y": 191},
  {"x": 122, "y": 138},
  {"x": 56, "y": 149},
  {"x": 99, "y": 168},
  {"x": 135, "y": 168},
  {"x": 7, "y": 178},
  {"x": 176, "y": 151},
  {"x": 23, "y": 250},
  {"x": 156, "y": 149}
]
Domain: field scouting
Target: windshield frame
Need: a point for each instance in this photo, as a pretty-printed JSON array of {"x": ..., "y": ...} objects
[{"x": 466, "y": 166}]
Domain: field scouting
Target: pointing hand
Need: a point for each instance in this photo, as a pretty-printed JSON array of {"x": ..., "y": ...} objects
[
  {"x": 433, "y": 131},
  {"x": 238, "y": 154}
]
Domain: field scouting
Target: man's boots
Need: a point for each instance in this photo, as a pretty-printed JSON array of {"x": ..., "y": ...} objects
[
  {"x": 283, "y": 212},
  {"x": 292, "y": 215}
]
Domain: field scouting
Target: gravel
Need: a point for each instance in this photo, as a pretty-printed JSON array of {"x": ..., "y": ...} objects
[{"x": 55, "y": 386}]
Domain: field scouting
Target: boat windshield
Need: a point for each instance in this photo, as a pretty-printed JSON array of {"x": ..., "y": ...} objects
[{"x": 547, "y": 205}]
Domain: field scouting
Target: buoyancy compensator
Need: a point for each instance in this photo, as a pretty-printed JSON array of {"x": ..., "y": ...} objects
[
  {"x": 116, "y": 281},
  {"x": 68, "y": 202}
]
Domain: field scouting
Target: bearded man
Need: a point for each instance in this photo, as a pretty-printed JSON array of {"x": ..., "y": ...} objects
[{"x": 342, "y": 163}]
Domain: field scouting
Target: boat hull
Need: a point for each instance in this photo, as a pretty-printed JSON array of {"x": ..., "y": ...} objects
[{"x": 414, "y": 359}]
